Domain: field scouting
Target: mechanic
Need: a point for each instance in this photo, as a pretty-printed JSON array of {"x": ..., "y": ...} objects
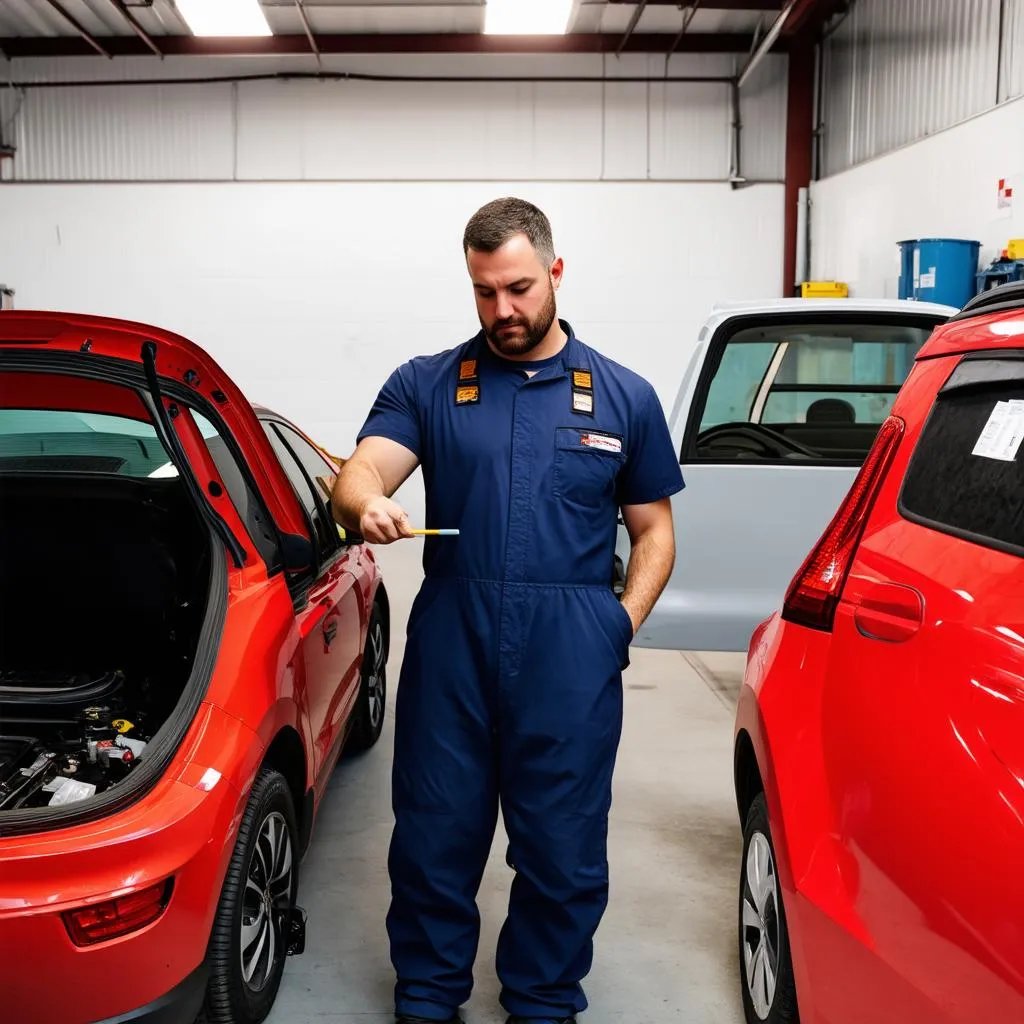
[{"x": 511, "y": 685}]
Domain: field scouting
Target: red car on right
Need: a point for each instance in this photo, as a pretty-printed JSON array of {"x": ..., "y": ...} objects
[{"x": 879, "y": 742}]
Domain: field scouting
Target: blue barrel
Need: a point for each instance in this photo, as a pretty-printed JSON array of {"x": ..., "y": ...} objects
[{"x": 939, "y": 270}]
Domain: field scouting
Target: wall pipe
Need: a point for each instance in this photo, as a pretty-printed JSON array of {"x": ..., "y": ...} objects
[
  {"x": 799, "y": 146},
  {"x": 355, "y": 76}
]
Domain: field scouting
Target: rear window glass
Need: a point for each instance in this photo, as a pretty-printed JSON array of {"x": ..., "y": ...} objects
[
  {"x": 966, "y": 476},
  {"x": 804, "y": 391},
  {"x": 51, "y": 440}
]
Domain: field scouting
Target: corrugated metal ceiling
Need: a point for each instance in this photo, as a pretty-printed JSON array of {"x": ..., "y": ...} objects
[{"x": 35, "y": 18}]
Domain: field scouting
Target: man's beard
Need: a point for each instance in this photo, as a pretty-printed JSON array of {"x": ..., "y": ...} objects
[{"x": 534, "y": 332}]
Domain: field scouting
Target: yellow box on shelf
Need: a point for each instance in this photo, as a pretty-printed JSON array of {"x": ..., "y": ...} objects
[
  {"x": 1015, "y": 249},
  {"x": 824, "y": 290}
]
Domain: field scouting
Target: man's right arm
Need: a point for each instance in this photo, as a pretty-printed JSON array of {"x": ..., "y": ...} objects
[{"x": 361, "y": 498}]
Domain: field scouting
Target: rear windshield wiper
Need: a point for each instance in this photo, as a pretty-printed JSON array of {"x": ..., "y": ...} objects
[{"x": 180, "y": 460}]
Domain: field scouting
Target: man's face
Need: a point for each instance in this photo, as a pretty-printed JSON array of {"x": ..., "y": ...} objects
[{"x": 515, "y": 295}]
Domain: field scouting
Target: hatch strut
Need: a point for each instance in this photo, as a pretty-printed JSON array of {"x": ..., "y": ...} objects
[{"x": 173, "y": 444}]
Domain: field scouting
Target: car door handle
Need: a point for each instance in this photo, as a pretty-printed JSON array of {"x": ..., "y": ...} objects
[
  {"x": 316, "y": 615},
  {"x": 890, "y": 612},
  {"x": 330, "y": 630}
]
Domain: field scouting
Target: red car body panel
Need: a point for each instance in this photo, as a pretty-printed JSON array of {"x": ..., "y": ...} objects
[
  {"x": 891, "y": 754},
  {"x": 279, "y": 673}
]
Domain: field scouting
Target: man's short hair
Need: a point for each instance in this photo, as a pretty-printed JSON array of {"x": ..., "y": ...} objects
[{"x": 494, "y": 224}]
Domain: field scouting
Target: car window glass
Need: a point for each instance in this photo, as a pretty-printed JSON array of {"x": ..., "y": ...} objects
[
  {"x": 250, "y": 509},
  {"x": 312, "y": 461},
  {"x": 55, "y": 440},
  {"x": 959, "y": 483},
  {"x": 803, "y": 391},
  {"x": 307, "y": 493}
]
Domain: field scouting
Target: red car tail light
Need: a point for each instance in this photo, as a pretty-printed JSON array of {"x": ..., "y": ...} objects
[
  {"x": 104, "y": 921},
  {"x": 814, "y": 593}
]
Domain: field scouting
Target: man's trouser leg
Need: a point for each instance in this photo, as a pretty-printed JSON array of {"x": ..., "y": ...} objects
[
  {"x": 444, "y": 799},
  {"x": 560, "y": 720}
]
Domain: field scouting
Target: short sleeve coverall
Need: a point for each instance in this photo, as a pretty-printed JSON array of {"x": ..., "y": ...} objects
[{"x": 510, "y": 690}]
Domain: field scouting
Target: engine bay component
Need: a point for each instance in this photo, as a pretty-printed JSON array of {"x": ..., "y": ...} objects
[{"x": 64, "y": 752}]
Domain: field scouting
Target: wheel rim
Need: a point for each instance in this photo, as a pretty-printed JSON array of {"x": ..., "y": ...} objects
[
  {"x": 762, "y": 925},
  {"x": 375, "y": 683},
  {"x": 267, "y": 901}
]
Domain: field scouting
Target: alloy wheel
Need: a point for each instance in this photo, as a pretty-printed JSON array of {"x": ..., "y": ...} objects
[
  {"x": 375, "y": 683},
  {"x": 761, "y": 925},
  {"x": 266, "y": 901}
]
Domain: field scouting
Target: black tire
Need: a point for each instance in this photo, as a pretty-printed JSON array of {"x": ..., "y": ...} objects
[
  {"x": 230, "y": 998},
  {"x": 368, "y": 716},
  {"x": 763, "y": 931}
]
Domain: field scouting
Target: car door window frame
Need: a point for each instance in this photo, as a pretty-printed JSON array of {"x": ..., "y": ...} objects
[
  {"x": 268, "y": 549},
  {"x": 323, "y": 559},
  {"x": 733, "y": 326}
]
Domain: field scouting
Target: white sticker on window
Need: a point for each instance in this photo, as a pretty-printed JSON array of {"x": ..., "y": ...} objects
[{"x": 1001, "y": 438}]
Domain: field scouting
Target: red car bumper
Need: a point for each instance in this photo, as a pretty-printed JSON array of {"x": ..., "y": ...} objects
[{"x": 184, "y": 830}]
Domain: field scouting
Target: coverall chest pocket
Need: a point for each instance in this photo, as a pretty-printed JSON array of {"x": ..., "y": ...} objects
[{"x": 586, "y": 465}]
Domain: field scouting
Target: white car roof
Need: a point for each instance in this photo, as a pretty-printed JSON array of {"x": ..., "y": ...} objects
[{"x": 723, "y": 311}]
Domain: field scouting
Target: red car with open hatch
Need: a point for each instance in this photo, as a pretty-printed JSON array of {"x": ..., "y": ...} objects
[{"x": 187, "y": 643}]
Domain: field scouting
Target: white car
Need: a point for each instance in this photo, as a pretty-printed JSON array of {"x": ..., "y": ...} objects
[{"x": 775, "y": 413}]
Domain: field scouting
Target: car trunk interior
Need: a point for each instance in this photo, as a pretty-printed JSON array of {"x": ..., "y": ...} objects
[{"x": 106, "y": 581}]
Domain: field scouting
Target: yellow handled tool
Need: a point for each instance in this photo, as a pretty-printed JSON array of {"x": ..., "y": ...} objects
[{"x": 436, "y": 533}]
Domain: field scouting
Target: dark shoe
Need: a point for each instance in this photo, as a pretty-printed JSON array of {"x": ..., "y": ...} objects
[
  {"x": 405, "y": 1019},
  {"x": 541, "y": 1020}
]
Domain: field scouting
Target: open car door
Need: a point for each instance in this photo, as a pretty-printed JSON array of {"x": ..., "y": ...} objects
[{"x": 776, "y": 412}]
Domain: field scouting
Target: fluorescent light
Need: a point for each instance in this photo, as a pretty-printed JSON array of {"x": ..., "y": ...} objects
[
  {"x": 527, "y": 17},
  {"x": 224, "y": 17}
]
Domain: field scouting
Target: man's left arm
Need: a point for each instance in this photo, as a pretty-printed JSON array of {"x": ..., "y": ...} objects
[
  {"x": 645, "y": 487},
  {"x": 653, "y": 555}
]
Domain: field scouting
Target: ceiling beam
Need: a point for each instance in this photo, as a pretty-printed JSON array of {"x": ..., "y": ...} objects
[
  {"x": 809, "y": 16},
  {"x": 448, "y": 42},
  {"x": 687, "y": 18},
  {"x": 631, "y": 27},
  {"x": 708, "y": 5},
  {"x": 78, "y": 27},
  {"x": 136, "y": 27},
  {"x": 308, "y": 30}
]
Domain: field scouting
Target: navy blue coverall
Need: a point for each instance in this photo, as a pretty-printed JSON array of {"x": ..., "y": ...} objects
[{"x": 511, "y": 685}]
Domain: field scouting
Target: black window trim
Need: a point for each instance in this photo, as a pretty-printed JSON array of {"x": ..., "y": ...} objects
[
  {"x": 950, "y": 386},
  {"x": 727, "y": 330},
  {"x": 324, "y": 563}
]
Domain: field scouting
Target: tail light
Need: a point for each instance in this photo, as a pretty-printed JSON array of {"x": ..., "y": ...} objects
[
  {"x": 814, "y": 594},
  {"x": 104, "y": 921}
]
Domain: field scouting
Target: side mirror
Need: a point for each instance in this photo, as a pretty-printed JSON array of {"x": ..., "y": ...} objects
[{"x": 297, "y": 552}]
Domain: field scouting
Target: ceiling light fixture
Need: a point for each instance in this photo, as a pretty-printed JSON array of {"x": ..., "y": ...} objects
[
  {"x": 224, "y": 17},
  {"x": 527, "y": 17}
]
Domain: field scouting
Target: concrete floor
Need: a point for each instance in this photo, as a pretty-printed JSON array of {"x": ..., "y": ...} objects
[{"x": 666, "y": 950}]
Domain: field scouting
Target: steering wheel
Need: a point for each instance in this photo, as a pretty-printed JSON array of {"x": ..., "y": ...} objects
[{"x": 769, "y": 441}]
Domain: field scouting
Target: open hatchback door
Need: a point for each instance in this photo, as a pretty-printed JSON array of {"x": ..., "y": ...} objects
[
  {"x": 777, "y": 409},
  {"x": 139, "y": 496}
]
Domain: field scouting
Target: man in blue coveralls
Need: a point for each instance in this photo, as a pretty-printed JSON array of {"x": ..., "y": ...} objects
[{"x": 511, "y": 686}]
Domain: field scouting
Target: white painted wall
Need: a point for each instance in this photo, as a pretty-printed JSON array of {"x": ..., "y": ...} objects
[
  {"x": 155, "y": 128},
  {"x": 310, "y": 294},
  {"x": 943, "y": 186}
]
